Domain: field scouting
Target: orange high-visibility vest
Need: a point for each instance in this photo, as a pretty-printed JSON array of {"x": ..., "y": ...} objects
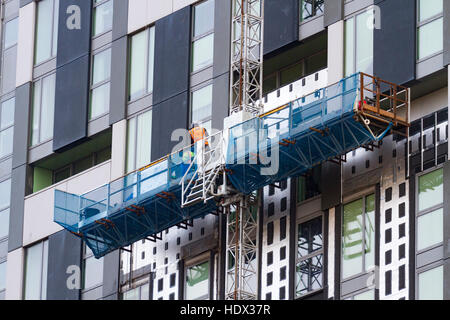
[{"x": 198, "y": 134}]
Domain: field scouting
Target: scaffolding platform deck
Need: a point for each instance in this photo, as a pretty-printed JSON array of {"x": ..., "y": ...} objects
[{"x": 280, "y": 144}]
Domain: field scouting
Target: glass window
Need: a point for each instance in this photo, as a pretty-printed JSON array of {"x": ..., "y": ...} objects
[
  {"x": 139, "y": 293},
  {"x": 2, "y": 276},
  {"x": 35, "y": 280},
  {"x": 43, "y": 109},
  {"x": 46, "y": 30},
  {"x": 291, "y": 74},
  {"x": 197, "y": 282},
  {"x": 309, "y": 184},
  {"x": 430, "y": 229},
  {"x": 4, "y": 223},
  {"x": 139, "y": 139},
  {"x": 101, "y": 73},
  {"x": 7, "y": 127},
  {"x": 5, "y": 193},
  {"x": 142, "y": 46},
  {"x": 431, "y": 284},
  {"x": 103, "y": 16},
  {"x": 309, "y": 266},
  {"x": 203, "y": 35},
  {"x": 358, "y": 44},
  {"x": 310, "y": 8},
  {"x": 431, "y": 189},
  {"x": 368, "y": 295},
  {"x": 201, "y": 107},
  {"x": 93, "y": 272},
  {"x": 11, "y": 31},
  {"x": 430, "y": 33},
  {"x": 358, "y": 240}
]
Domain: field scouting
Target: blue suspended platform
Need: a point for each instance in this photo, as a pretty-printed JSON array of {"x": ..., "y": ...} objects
[
  {"x": 282, "y": 143},
  {"x": 137, "y": 206},
  {"x": 325, "y": 125}
]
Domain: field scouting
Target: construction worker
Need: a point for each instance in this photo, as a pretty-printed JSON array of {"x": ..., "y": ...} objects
[{"x": 197, "y": 134}]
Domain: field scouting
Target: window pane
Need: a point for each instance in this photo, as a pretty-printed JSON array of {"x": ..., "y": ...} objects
[
  {"x": 270, "y": 84},
  {"x": 103, "y": 18},
  {"x": 36, "y": 113},
  {"x": 368, "y": 295},
  {"x": 430, "y": 38},
  {"x": 431, "y": 284},
  {"x": 349, "y": 47},
  {"x": 102, "y": 67},
  {"x": 138, "y": 64},
  {"x": 201, "y": 104},
  {"x": 144, "y": 139},
  {"x": 48, "y": 107},
  {"x": 93, "y": 272},
  {"x": 33, "y": 272},
  {"x": 197, "y": 284},
  {"x": 99, "y": 101},
  {"x": 151, "y": 60},
  {"x": 11, "y": 33},
  {"x": 44, "y": 270},
  {"x": 352, "y": 239},
  {"x": 7, "y": 113},
  {"x": 5, "y": 193},
  {"x": 203, "y": 17},
  {"x": 431, "y": 189},
  {"x": 44, "y": 31},
  {"x": 430, "y": 8},
  {"x": 6, "y": 142},
  {"x": 310, "y": 237},
  {"x": 55, "y": 28},
  {"x": 4, "y": 223},
  {"x": 430, "y": 229},
  {"x": 132, "y": 294},
  {"x": 131, "y": 145},
  {"x": 364, "y": 42},
  {"x": 202, "y": 52},
  {"x": 370, "y": 232},
  {"x": 2, "y": 276}
]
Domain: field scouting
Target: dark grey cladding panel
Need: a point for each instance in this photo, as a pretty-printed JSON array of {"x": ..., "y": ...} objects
[
  {"x": 111, "y": 275},
  {"x": 395, "y": 41},
  {"x": 71, "y": 103},
  {"x": 281, "y": 23},
  {"x": 168, "y": 116},
  {"x": 220, "y": 102},
  {"x": 23, "y": 3},
  {"x": 331, "y": 185},
  {"x": 222, "y": 37},
  {"x": 120, "y": 19},
  {"x": 172, "y": 55},
  {"x": 118, "y": 98},
  {"x": 64, "y": 262},
  {"x": 21, "y": 116},
  {"x": 18, "y": 192},
  {"x": 333, "y": 11},
  {"x": 74, "y": 30},
  {"x": 446, "y": 33}
]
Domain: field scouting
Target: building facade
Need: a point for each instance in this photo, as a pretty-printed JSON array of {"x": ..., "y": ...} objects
[{"x": 93, "y": 90}]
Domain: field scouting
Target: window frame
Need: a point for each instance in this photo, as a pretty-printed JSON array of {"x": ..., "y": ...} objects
[
  {"x": 298, "y": 222},
  {"x": 136, "y": 131},
  {"x": 9, "y": 127},
  {"x": 200, "y": 37},
  {"x": 315, "y": 8},
  {"x": 424, "y": 269},
  {"x": 52, "y": 49},
  {"x": 420, "y": 24},
  {"x": 104, "y": 82},
  {"x": 364, "y": 268},
  {"x": 40, "y": 80},
  {"x": 201, "y": 260},
  {"x": 95, "y": 5},
  {"x": 426, "y": 211},
  {"x": 147, "y": 90},
  {"x": 195, "y": 89},
  {"x": 43, "y": 242}
]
